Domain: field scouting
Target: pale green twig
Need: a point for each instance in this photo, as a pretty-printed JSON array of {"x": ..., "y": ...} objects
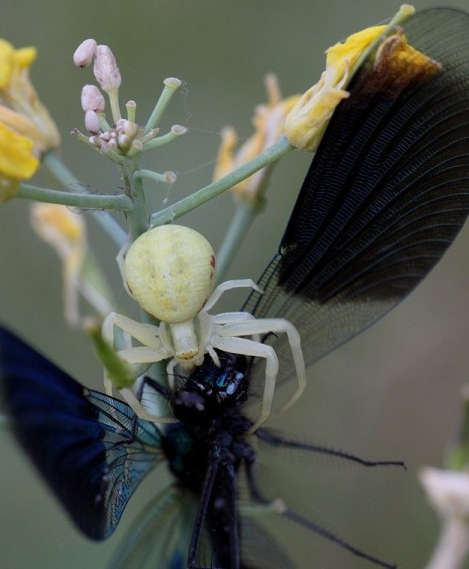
[
  {"x": 214, "y": 189},
  {"x": 83, "y": 201},
  {"x": 171, "y": 84},
  {"x": 63, "y": 175},
  {"x": 242, "y": 220}
]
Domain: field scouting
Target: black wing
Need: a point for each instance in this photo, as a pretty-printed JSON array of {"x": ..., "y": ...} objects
[
  {"x": 385, "y": 196},
  {"x": 90, "y": 448}
]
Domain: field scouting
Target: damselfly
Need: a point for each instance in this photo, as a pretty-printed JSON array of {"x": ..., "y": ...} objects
[{"x": 385, "y": 196}]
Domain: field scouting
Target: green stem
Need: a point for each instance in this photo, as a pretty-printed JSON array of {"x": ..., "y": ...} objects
[
  {"x": 242, "y": 221},
  {"x": 170, "y": 86},
  {"x": 84, "y": 201},
  {"x": 63, "y": 175},
  {"x": 402, "y": 15},
  {"x": 202, "y": 196},
  {"x": 113, "y": 95},
  {"x": 175, "y": 132},
  {"x": 150, "y": 175},
  {"x": 138, "y": 217}
]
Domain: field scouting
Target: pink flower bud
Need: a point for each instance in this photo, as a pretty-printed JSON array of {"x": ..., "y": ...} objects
[
  {"x": 92, "y": 99},
  {"x": 105, "y": 69},
  {"x": 91, "y": 122},
  {"x": 84, "y": 53}
]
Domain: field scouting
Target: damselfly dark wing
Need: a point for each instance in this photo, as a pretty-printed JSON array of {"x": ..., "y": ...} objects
[
  {"x": 161, "y": 536},
  {"x": 90, "y": 449},
  {"x": 385, "y": 196}
]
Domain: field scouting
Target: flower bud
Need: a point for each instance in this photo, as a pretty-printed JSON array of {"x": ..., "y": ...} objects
[
  {"x": 92, "y": 99},
  {"x": 105, "y": 69},
  {"x": 124, "y": 142},
  {"x": 84, "y": 53},
  {"x": 91, "y": 122},
  {"x": 178, "y": 129},
  {"x": 172, "y": 82},
  {"x": 130, "y": 128},
  {"x": 170, "y": 177},
  {"x": 131, "y": 107}
]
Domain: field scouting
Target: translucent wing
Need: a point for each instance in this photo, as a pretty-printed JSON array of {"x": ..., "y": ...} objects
[
  {"x": 90, "y": 448},
  {"x": 260, "y": 551},
  {"x": 385, "y": 196},
  {"x": 161, "y": 535}
]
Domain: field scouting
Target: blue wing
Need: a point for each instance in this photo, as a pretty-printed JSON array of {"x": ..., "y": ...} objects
[
  {"x": 385, "y": 196},
  {"x": 91, "y": 449}
]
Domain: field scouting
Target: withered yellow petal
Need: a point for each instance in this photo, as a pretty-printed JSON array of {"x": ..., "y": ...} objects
[
  {"x": 57, "y": 225},
  {"x": 348, "y": 52},
  {"x": 25, "y": 56},
  {"x": 6, "y": 62},
  {"x": 397, "y": 58},
  {"x": 16, "y": 155}
]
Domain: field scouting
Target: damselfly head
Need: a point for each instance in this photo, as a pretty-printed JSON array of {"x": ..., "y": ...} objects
[{"x": 210, "y": 390}]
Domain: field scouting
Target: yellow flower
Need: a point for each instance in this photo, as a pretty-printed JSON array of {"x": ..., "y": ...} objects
[
  {"x": 307, "y": 121},
  {"x": 16, "y": 161},
  {"x": 22, "y": 118},
  {"x": 13, "y": 61},
  {"x": 65, "y": 232},
  {"x": 268, "y": 122}
]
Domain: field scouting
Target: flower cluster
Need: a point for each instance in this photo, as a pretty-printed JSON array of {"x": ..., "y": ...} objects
[
  {"x": 26, "y": 128},
  {"x": 125, "y": 137}
]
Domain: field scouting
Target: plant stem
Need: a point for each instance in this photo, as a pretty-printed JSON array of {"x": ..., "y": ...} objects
[
  {"x": 84, "y": 201},
  {"x": 63, "y": 175},
  {"x": 453, "y": 545},
  {"x": 170, "y": 87},
  {"x": 402, "y": 15},
  {"x": 164, "y": 139},
  {"x": 244, "y": 216},
  {"x": 216, "y": 188},
  {"x": 138, "y": 217},
  {"x": 150, "y": 175}
]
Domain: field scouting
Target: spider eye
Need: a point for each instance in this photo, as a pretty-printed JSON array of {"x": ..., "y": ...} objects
[{"x": 170, "y": 271}]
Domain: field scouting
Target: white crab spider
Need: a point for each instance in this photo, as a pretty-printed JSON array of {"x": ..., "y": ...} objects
[{"x": 170, "y": 271}]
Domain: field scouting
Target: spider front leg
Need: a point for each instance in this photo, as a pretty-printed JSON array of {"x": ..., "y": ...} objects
[
  {"x": 253, "y": 327},
  {"x": 151, "y": 351},
  {"x": 256, "y": 349},
  {"x": 228, "y": 285}
]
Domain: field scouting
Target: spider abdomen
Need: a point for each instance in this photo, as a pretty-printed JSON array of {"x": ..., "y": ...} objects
[{"x": 170, "y": 272}]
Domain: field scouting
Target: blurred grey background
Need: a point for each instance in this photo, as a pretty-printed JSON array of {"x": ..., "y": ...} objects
[{"x": 392, "y": 393}]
